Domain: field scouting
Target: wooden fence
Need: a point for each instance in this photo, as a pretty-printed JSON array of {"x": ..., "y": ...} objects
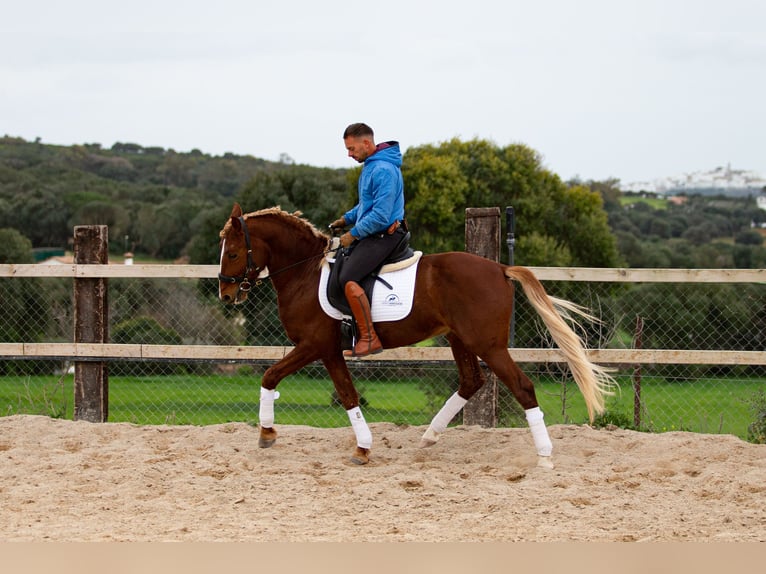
[
  {"x": 98, "y": 351},
  {"x": 87, "y": 351}
]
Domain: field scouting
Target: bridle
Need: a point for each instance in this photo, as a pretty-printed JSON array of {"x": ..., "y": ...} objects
[
  {"x": 252, "y": 269},
  {"x": 244, "y": 280}
]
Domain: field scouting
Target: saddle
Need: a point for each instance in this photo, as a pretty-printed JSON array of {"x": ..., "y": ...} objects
[
  {"x": 333, "y": 298},
  {"x": 335, "y": 295}
]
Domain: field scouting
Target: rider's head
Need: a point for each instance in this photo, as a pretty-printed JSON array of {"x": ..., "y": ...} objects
[{"x": 360, "y": 141}]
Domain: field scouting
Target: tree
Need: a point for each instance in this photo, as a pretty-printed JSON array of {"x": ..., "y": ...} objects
[
  {"x": 748, "y": 237},
  {"x": 319, "y": 193},
  {"x": 40, "y": 215},
  {"x": 102, "y": 213},
  {"x": 164, "y": 231},
  {"x": 609, "y": 190},
  {"x": 565, "y": 225},
  {"x": 436, "y": 192},
  {"x": 14, "y": 247}
]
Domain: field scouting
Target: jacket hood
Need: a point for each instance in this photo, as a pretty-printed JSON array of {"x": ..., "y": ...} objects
[{"x": 388, "y": 152}]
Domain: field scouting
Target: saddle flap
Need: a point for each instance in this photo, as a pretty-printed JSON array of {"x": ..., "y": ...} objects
[{"x": 390, "y": 299}]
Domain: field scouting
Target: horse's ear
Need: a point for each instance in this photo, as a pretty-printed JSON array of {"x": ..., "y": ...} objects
[{"x": 236, "y": 213}]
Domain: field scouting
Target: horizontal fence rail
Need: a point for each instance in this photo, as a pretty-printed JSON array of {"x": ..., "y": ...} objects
[
  {"x": 108, "y": 351},
  {"x": 584, "y": 274}
]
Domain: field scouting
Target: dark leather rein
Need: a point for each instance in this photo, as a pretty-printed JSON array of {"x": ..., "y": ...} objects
[{"x": 252, "y": 269}]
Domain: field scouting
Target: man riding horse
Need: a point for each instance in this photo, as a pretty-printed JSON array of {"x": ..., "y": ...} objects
[{"x": 377, "y": 222}]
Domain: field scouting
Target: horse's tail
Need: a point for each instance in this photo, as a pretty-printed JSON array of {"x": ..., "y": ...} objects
[{"x": 593, "y": 380}]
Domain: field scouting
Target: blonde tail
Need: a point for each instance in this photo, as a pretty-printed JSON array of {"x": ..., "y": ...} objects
[{"x": 593, "y": 380}]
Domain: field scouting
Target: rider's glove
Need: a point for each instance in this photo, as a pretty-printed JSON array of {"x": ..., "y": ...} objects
[
  {"x": 338, "y": 223},
  {"x": 347, "y": 239}
]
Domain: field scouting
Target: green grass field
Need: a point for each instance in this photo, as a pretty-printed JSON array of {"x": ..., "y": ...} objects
[
  {"x": 709, "y": 406},
  {"x": 654, "y": 202}
]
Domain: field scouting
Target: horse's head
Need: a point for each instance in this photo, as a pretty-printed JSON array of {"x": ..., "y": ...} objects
[{"x": 243, "y": 259}]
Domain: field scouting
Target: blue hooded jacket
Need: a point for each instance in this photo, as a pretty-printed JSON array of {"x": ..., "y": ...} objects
[{"x": 381, "y": 193}]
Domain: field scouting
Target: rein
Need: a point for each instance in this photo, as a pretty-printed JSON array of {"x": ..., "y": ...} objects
[{"x": 244, "y": 280}]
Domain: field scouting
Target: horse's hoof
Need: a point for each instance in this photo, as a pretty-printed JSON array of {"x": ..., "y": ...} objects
[
  {"x": 268, "y": 437},
  {"x": 429, "y": 438},
  {"x": 361, "y": 456},
  {"x": 545, "y": 462}
]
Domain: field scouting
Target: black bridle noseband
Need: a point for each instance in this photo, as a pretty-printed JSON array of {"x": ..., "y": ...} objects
[{"x": 244, "y": 279}]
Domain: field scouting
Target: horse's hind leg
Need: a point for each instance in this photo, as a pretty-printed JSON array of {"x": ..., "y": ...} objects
[
  {"x": 471, "y": 380},
  {"x": 523, "y": 389}
]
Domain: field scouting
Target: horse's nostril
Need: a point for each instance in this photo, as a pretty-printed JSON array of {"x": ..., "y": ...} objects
[{"x": 226, "y": 298}]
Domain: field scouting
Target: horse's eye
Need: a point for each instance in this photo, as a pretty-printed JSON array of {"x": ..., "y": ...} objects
[{"x": 232, "y": 256}]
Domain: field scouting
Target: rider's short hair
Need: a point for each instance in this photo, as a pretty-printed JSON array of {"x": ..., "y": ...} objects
[{"x": 358, "y": 130}]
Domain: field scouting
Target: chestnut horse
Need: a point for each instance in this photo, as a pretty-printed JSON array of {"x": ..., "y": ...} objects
[{"x": 462, "y": 296}]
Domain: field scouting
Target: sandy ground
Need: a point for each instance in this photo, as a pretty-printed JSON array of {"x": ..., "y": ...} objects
[{"x": 75, "y": 481}]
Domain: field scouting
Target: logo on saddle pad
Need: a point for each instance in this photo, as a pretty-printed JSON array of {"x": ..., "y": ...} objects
[{"x": 391, "y": 301}]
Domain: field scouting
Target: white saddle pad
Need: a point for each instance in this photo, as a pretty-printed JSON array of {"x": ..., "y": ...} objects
[{"x": 386, "y": 304}]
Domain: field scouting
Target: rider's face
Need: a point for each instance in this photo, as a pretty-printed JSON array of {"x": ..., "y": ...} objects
[{"x": 359, "y": 148}]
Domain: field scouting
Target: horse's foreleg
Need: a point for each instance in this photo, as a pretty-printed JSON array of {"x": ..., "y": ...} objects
[
  {"x": 266, "y": 418},
  {"x": 363, "y": 436},
  {"x": 471, "y": 380},
  {"x": 291, "y": 362},
  {"x": 438, "y": 425},
  {"x": 349, "y": 398}
]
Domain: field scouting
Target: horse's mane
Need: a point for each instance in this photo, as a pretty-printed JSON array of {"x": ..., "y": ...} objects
[{"x": 294, "y": 220}]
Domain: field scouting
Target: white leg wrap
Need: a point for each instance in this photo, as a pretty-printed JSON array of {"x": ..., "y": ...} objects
[
  {"x": 266, "y": 409},
  {"x": 361, "y": 430},
  {"x": 539, "y": 431},
  {"x": 451, "y": 407},
  {"x": 438, "y": 425}
]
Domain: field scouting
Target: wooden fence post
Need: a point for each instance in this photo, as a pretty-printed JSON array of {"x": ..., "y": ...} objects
[
  {"x": 91, "y": 324},
  {"x": 482, "y": 237}
]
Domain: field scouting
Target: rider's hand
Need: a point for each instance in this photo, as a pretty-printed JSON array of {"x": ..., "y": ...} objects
[
  {"x": 338, "y": 223},
  {"x": 347, "y": 239}
]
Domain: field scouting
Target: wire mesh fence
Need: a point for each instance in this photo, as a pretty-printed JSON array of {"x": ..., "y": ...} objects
[{"x": 710, "y": 398}]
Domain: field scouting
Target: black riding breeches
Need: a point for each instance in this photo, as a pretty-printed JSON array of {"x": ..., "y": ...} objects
[{"x": 368, "y": 254}]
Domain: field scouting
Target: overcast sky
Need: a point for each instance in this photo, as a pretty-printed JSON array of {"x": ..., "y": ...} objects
[{"x": 600, "y": 88}]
